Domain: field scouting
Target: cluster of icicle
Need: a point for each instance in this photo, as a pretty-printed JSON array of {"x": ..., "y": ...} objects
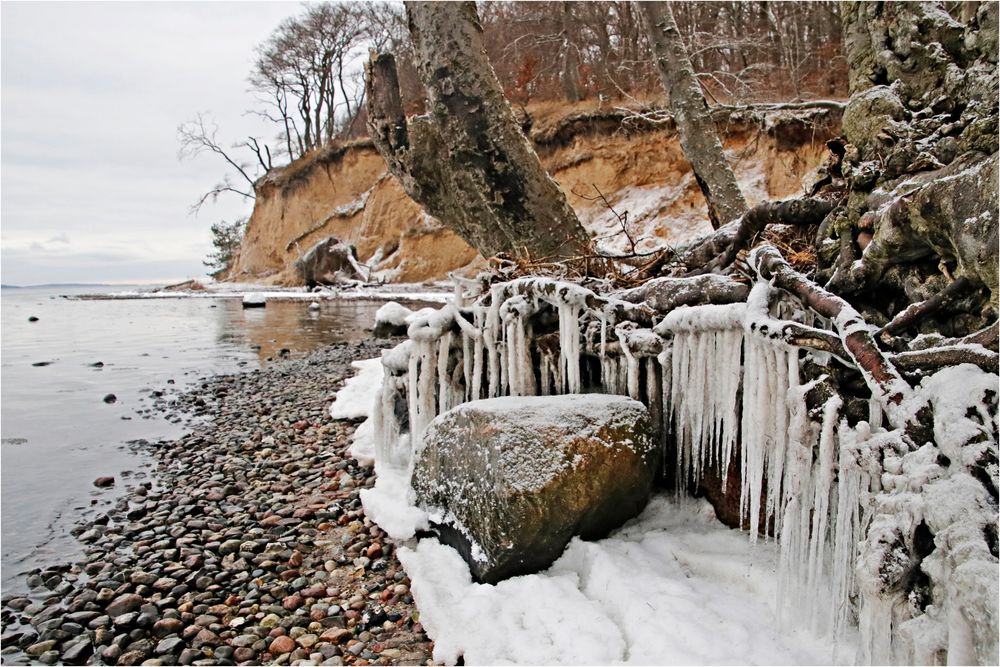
[{"x": 710, "y": 375}]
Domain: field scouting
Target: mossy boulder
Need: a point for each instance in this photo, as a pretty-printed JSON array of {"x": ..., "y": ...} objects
[{"x": 509, "y": 481}]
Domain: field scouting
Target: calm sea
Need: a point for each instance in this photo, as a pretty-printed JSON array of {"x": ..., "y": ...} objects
[{"x": 58, "y": 434}]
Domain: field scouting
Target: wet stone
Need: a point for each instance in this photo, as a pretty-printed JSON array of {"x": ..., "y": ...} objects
[{"x": 168, "y": 570}]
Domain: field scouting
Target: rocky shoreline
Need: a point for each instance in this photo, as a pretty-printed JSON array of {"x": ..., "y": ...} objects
[{"x": 250, "y": 545}]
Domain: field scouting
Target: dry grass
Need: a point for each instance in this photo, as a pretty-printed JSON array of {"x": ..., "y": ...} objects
[{"x": 797, "y": 244}]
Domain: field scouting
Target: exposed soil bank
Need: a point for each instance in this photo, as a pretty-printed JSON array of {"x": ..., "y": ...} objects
[{"x": 636, "y": 164}]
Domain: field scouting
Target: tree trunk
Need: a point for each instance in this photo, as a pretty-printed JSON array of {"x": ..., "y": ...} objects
[
  {"x": 698, "y": 137},
  {"x": 570, "y": 59},
  {"x": 467, "y": 161}
]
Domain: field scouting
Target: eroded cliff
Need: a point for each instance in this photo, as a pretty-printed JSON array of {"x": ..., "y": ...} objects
[{"x": 599, "y": 158}]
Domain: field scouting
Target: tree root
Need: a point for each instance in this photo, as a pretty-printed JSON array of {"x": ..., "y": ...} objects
[
  {"x": 881, "y": 376},
  {"x": 949, "y": 213},
  {"x": 918, "y": 311},
  {"x": 935, "y": 358},
  {"x": 799, "y": 212},
  {"x": 665, "y": 294}
]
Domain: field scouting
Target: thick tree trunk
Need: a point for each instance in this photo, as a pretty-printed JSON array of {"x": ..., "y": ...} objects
[
  {"x": 467, "y": 161},
  {"x": 921, "y": 158},
  {"x": 699, "y": 140}
]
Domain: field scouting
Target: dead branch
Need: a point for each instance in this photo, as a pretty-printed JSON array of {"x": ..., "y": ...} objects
[
  {"x": 832, "y": 105},
  {"x": 988, "y": 337},
  {"x": 798, "y": 212},
  {"x": 665, "y": 294},
  {"x": 938, "y": 357},
  {"x": 704, "y": 250}
]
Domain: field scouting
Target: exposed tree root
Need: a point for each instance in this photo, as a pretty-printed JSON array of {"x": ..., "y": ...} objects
[
  {"x": 883, "y": 379},
  {"x": 796, "y": 212},
  {"x": 913, "y": 315}
]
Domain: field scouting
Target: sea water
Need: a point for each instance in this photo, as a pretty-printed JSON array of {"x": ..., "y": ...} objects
[{"x": 59, "y": 434}]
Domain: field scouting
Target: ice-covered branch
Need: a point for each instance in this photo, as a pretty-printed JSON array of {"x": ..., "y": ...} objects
[{"x": 884, "y": 380}]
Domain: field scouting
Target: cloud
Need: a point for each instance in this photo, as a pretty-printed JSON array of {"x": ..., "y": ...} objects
[{"x": 92, "y": 94}]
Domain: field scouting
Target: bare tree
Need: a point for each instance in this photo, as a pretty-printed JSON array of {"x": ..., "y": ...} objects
[
  {"x": 698, "y": 136},
  {"x": 200, "y": 135},
  {"x": 306, "y": 73}
]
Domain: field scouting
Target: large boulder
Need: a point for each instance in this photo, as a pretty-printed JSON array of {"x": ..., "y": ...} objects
[
  {"x": 509, "y": 481},
  {"x": 328, "y": 262}
]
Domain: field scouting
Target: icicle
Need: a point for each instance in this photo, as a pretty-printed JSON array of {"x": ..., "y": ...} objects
[
  {"x": 504, "y": 368},
  {"x": 695, "y": 404},
  {"x": 666, "y": 363},
  {"x": 822, "y": 490},
  {"x": 445, "y": 399},
  {"x": 569, "y": 344},
  {"x": 467, "y": 343},
  {"x": 527, "y": 374},
  {"x": 874, "y": 412},
  {"x": 875, "y": 627},
  {"x": 757, "y": 404},
  {"x": 491, "y": 332},
  {"x": 413, "y": 390},
  {"x": 654, "y": 395},
  {"x": 390, "y": 447},
  {"x": 511, "y": 362},
  {"x": 607, "y": 318},
  {"x": 475, "y": 390},
  {"x": 852, "y": 482},
  {"x": 423, "y": 367},
  {"x": 704, "y": 372},
  {"x": 632, "y": 364},
  {"x": 787, "y": 364},
  {"x": 520, "y": 372},
  {"x": 731, "y": 373},
  {"x": 678, "y": 374},
  {"x": 793, "y": 538}
]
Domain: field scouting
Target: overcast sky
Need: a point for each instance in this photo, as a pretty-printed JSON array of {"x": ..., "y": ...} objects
[{"x": 92, "y": 94}]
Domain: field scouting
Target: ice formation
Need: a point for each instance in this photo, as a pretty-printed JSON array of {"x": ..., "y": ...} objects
[{"x": 848, "y": 502}]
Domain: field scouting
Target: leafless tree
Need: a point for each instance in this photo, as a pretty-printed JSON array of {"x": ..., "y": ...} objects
[
  {"x": 698, "y": 136},
  {"x": 467, "y": 161},
  {"x": 200, "y": 135},
  {"x": 307, "y": 72}
]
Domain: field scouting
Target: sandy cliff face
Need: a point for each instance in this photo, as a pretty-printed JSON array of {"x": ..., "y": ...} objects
[{"x": 346, "y": 192}]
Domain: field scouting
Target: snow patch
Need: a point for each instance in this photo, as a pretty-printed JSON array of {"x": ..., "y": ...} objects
[
  {"x": 671, "y": 587},
  {"x": 355, "y": 399}
]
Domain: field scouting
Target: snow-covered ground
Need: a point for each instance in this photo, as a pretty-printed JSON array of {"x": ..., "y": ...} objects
[{"x": 673, "y": 586}]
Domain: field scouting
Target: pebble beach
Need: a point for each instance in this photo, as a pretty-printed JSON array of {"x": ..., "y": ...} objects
[{"x": 248, "y": 543}]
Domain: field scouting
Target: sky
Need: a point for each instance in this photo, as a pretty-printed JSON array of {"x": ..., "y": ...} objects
[{"x": 91, "y": 95}]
